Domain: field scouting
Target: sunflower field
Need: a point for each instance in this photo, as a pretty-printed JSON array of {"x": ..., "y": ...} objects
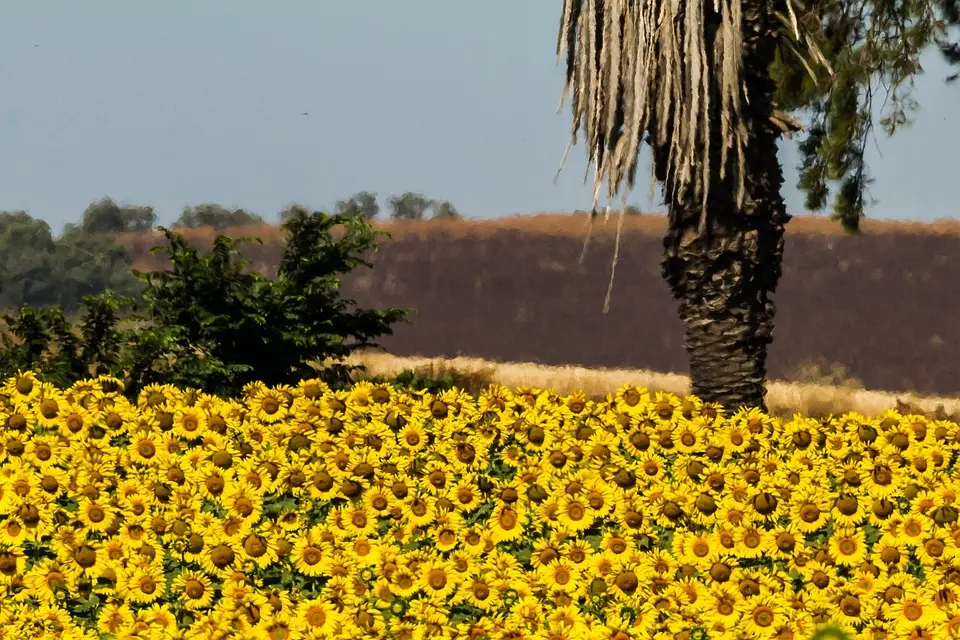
[{"x": 374, "y": 512}]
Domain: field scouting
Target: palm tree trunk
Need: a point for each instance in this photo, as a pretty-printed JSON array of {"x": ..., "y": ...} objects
[{"x": 724, "y": 280}]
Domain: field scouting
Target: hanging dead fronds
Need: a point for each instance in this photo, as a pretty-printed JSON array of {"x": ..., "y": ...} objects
[
  {"x": 635, "y": 67},
  {"x": 639, "y": 65}
]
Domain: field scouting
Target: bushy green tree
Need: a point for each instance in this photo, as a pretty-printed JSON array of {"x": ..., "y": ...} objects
[
  {"x": 292, "y": 211},
  {"x": 106, "y": 216},
  {"x": 87, "y": 264},
  {"x": 443, "y": 209},
  {"x": 26, "y": 260},
  {"x": 409, "y": 206},
  {"x": 363, "y": 204},
  {"x": 208, "y": 323}
]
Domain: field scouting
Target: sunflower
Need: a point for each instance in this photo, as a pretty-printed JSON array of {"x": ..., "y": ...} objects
[
  {"x": 722, "y": 601},
  {"x": 49, "y": 406},
  {"x": 404, "y": 582},
  {"x": 912, "y": 530},
  {"x": 476, "y": 541},
  {"x": 311, "y": 557},
  {"x": 259, "y": 547},
  {"x": 915, "y": 608},
  {"x": 269, "y": 406},
  {"x": 464, "y": 494},
  {"x": 156, "y": 395},
  {"x": 601, "y": 497},
  {"x": 735, "y": 438},
  {"x": 252, "y": 474},
  {"x": 446, "y": 530},
  {"x": 313, "y": 389},
  {"x": 144, "y": 585},
  {"x": 850, "y": 607},
  {"x": 882, "y": 479},
  {"x": 242, "y": 500},
  {"x": 74, "y": 421},
  {"x": 146, "y": 449},
  {"x": 786, "y": 542},
  {"x": 189, "y": 423},
  {"x": 506, "y": 522},
  {"x": 478, "y": 590},
  {"x": 560, "y": 575},
  {"x": 119, "y": 417},
  {"x": 45, "y": 452},
  {"x": 752, "y": 542},
  {"x": 818, "y": 575},
  {"x": 650, "y": 467},
  {"x": 574, "y": 513},
  {"x": 47, "y": 579},
  {"x": 160, "y": 618},
  {"x": 419, "y": 509},
  {"x": 12, "y": 531},
  {"x": 220, "y": 557},
  {"x": 115, "y": 619},
  {"x": 935, "y": 549},
  {"x": 664, "y": 405},
  {"x": 213, "y": 480},
  {"x": 689, "y": 436},
  {"x": 13, "y": 445},
  {"x": 88, "y": 560},
  {"x": 96, "y": 515},
  {"x": 577, "y": 551},
  {"x": 438, "y": 579},
  {"x": 316, "y": 618},
  {"x": 22, "y": 387},
  {"x": 810, "y": 509},
  {"x": 358, "y": 519},
  {"x": 758, "y": 615},
  {"x": 693, "y": 549}
]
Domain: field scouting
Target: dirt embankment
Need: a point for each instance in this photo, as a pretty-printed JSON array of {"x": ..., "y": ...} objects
[{"x": 884, "y": 303}]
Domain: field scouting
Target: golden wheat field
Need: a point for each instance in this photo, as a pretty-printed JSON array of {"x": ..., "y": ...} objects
[{"x": 515, "y": 514}]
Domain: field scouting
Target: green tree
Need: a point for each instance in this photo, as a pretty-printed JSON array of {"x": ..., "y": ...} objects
[
  {"x": 229, "y": 326},
  {"x": 27, "y": 268},
  {"x": 38, "y": 269},
  {"x": 363, "y": 204},
  {"x": 106, "y": 216},
  {"x": 409, "y": 206},
  {"x": 87, "y": 264},
  {"x": 209, "y": 214},
  {"x": 208, "y": 323},
  {"x": 711, "y": 95},
  {"x": 442, "y": 209},
  {"x": 292, "y": 211}
]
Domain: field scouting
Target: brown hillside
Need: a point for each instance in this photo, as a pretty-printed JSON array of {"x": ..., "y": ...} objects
[{"x": 882, "y": 303}]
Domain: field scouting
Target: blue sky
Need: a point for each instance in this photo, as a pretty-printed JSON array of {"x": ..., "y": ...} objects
[{"x": 177, "y": 102}]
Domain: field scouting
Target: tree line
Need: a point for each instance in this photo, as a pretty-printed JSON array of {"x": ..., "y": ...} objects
[{"x": 38, "y": 267}]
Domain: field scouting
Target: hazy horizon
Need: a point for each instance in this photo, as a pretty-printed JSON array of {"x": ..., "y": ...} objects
[{"x": 177, "y": 103}]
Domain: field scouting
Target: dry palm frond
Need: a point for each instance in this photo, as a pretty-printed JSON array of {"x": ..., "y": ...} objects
[
  {"x": 635, "y": 67},
  {"x": 649, "y": 61}
]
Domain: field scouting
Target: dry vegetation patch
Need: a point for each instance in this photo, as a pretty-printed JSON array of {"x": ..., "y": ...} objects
[{"x": 814, "y": 390}]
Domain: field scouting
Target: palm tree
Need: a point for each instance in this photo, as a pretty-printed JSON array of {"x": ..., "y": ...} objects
[{"x": 707, "y": 86}]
